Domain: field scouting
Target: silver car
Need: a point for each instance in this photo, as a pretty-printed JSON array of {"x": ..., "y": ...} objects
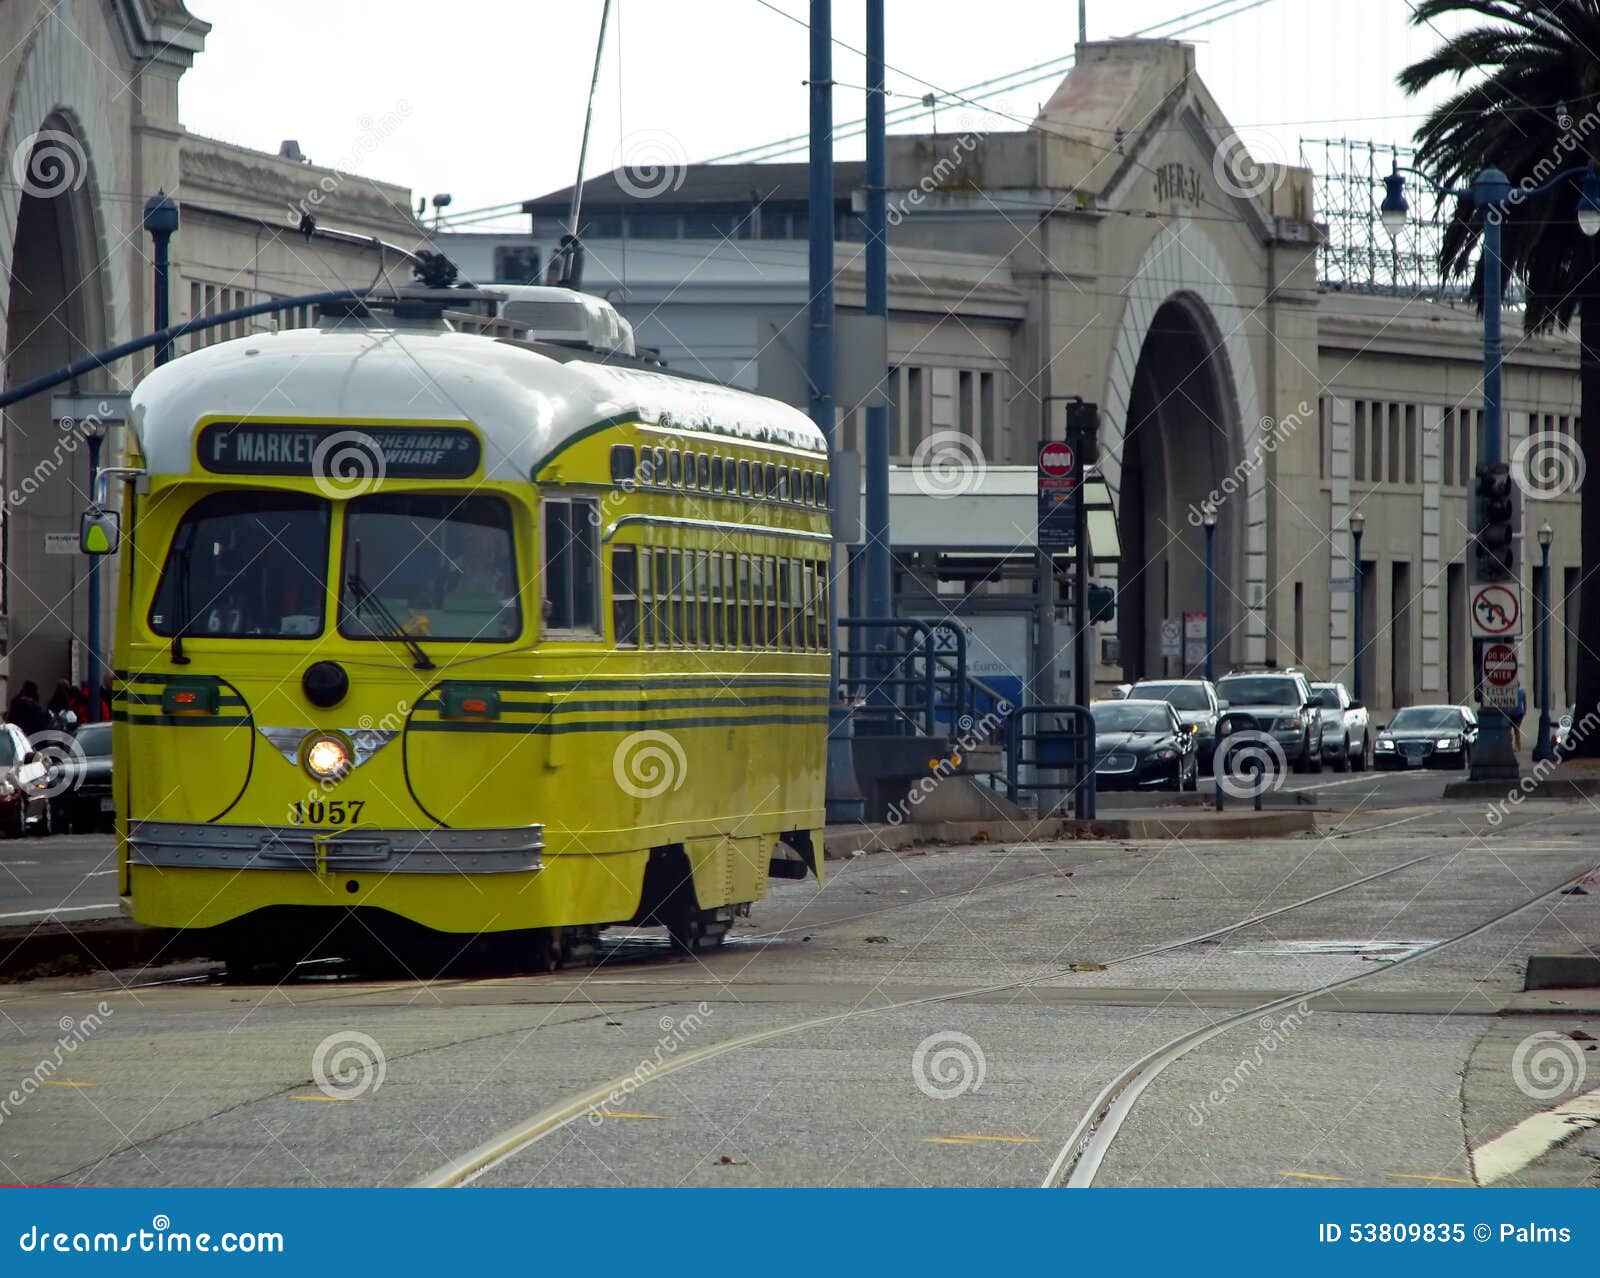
[{"x": 1195, "y": 700}]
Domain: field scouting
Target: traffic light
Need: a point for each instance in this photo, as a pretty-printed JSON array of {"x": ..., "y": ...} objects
[
  {"x": 1495, "y": 522},
  {"x": 1102, "y": 604},
  {"x": 1083, "y": 430}
]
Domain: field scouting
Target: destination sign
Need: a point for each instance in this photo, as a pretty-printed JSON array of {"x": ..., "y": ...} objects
[{"x": 395, "y": 452}]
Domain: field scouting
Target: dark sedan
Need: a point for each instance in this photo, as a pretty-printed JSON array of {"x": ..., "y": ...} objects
[
  {"x": 1427, "y": 737},
  {"x": 84, "y": 804},
  {"x": 1142, "y": 745}
]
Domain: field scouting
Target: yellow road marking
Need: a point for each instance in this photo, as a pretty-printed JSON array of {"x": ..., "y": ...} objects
[
  {"x": 1531, "y": 1138},
  {"x": 1435, "y": 1180},
  {"x": 1311, "y": 1176},
  {"x": 331, "y": 1099},
  {"x": 973, "y": 1138},
  {"x": 65, "y": 1082}
]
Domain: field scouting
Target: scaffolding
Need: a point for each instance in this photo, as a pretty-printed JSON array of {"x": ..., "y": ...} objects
[{"x": 1357, "y": 254}]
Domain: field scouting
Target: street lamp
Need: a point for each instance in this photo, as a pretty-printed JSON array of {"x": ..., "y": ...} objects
[
  {"x": 1208, "y": 515},
  {"x": 1544, "y": 747},
  {"x": 1358, "y": 524},
  {"x": 1491, "y": 191}
]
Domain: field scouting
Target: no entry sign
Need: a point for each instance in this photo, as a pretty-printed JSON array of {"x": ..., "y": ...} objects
[
  {"x": 1500, "y": 665},
  {"x": 1056, "y": 460}
]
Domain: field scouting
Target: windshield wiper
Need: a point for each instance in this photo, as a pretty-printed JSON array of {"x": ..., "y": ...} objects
[
  {"x": 364, "y": 598},
  {"x": 184, "y": 602}
]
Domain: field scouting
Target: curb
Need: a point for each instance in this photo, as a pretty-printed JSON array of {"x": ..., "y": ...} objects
[
  {"x": 63, "y": 949},
  {"x": 1549, "y": 788},
  {"x": 1576, "y": 971},
  {"x": 842, "y": 842}
]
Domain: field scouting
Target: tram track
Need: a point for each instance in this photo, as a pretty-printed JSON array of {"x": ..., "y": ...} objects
[
  {"x": 467, "y": 1168},
  {"x": 1085, "y": 1150}
]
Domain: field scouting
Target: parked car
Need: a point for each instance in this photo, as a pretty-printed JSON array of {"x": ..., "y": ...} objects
[
  {"x": 1142, "y": 745},
  {"x": 24, "y": 782},
  {"x": 1427, "y": 737},
  {"x": 1277, "y": 703},
  {"x": 84, "y": 803},
  {"x": 1346, "y": 729},
  {"x": 1195, "y": 700}
]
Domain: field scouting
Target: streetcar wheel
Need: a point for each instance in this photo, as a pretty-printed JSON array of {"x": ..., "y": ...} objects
[{"x": 692, "y": 931}]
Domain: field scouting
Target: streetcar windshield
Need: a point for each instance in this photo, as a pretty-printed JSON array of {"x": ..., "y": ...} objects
[
  {"x": 245, "y": 565},
  {"x": 429, "y": 566}
]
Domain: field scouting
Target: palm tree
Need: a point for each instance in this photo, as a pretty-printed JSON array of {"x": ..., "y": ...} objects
[{"x": 1528, "y": 102}]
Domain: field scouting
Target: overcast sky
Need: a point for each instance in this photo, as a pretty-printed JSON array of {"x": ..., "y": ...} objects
[{"x": 485, "y": 98}]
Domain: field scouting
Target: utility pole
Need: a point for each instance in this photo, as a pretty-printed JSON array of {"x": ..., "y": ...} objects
[
  {"x": 878, "y": 563},
  {"x": 1083, "y": 21}
]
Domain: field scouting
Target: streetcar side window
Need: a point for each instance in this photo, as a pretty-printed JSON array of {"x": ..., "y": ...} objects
[
  {"x": 625, "y": 596},
  {"x": 659, "y": 469},
  {"x": 744, "y": 479},
  {"x": 691, "y": 586},
  {"x": 675, "y": 468},
  {"x": 677, "y": 598},
  {"x": 771, "y": 487},
  {"x": 809, "y": 638},
  {"x": 623, "y": 465},
  {"x": 572, "y": 564},
  {"x": 772, "y": 602},
  {"x": 663, "y": 599},
  {"x": 703, "y": 465},
  {"x": 746, "y": 633},
  {"x": 808, "y": 486},
  {"x": 716, "y": 474},
  {"x": 647, "y": 598}
]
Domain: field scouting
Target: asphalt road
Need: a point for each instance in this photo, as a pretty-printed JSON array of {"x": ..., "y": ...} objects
[{"x": 944, "y": 1016}]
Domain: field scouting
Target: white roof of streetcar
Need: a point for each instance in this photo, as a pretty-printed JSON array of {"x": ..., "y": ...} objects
[{"x": 380, "y": 369}]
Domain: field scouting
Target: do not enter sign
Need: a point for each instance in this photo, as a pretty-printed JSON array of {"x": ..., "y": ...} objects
[
  {"x": 1500, "y": 665},
  {"x": 1056, "y": 460}
]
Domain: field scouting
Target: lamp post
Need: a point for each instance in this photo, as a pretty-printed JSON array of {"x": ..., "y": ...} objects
[
  {"x": 1493, "y": 758},
  {"x": 1208, "y": 514},
  {"x": 161, "y": 221},
  {"x": 1358, "y": 524},
  {"x": 1544, "y": 746}
]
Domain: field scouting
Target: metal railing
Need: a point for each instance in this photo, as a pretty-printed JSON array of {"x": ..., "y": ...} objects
[
  {"x": 1035, "y": 751},
  {"x": 904, "y": 677}
]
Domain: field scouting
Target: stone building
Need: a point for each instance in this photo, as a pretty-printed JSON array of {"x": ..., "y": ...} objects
[{"x": 91, "y": 131}]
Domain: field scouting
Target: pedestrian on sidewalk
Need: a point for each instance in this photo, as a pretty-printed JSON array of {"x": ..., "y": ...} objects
[{"x": 1517, "y": 716}]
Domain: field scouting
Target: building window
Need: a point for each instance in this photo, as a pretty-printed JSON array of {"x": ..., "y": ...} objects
[
  {"x": 1447, "y": 447},
  {"x": 571, "y": 564},
  {"x": 1358, "y": 451},
  {"x": 1411, "y": 443}
]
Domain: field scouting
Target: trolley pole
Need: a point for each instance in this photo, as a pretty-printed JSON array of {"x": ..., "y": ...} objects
[{"x": 844, "y": 801}]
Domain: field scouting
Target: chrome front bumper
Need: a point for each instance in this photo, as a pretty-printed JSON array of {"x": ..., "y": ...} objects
[{"x": 183, "y": 845}]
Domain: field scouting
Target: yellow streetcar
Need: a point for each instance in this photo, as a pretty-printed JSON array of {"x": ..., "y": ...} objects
[{"x": 427, "y": 635}]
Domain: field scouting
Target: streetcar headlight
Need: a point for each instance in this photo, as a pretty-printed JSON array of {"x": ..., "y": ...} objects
[{"x": 326, "y": 758}]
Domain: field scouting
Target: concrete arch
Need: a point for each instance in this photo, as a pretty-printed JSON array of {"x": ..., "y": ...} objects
[
  {"x": 1182, "y": 265},
  {"x": 62, "y": 84}
]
